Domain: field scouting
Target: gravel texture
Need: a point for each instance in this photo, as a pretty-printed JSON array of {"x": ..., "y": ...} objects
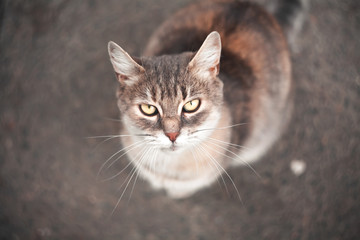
[{"x": 57, "y": 87}]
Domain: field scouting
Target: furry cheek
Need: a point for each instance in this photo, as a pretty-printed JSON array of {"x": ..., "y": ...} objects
[{"x": 134, "y": 119}]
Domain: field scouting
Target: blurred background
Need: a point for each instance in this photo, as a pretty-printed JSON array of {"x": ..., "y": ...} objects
[{"x": 57, "y": 87}]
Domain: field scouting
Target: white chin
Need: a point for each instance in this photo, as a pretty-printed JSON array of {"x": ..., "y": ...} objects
[{"x": 173, "y": 148}]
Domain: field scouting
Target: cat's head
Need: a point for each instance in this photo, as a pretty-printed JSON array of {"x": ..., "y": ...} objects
[{"x": 172, "y": 101}]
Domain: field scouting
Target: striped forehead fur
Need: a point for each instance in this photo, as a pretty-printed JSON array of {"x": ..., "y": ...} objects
[{"x": 167, "y": 77}]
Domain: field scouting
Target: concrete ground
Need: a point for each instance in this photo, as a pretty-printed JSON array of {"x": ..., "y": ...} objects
[{"x": 57, "y": 87}]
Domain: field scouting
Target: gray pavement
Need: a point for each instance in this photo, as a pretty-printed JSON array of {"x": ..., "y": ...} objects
[{"x": 57, "y": 87}]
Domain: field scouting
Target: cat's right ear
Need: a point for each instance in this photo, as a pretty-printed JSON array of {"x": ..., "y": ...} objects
[{"x": 126, "y": 69}]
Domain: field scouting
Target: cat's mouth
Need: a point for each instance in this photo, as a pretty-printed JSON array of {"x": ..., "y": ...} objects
[{"x": 172, "y": 148}]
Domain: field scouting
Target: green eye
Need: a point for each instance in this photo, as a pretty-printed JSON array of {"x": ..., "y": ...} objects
[
  {"x": 192, "y": 106},
  {"x": 148, "y": 110}
]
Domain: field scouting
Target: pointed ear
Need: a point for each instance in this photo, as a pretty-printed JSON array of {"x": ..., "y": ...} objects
[
  {"x": 126, "y": 69},
  {"x": 206, "y": 61}
]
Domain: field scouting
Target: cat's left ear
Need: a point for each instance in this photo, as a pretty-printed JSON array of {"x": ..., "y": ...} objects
[
  {"x": 126, "y": 69},
  {"x": 206, "y": 61}
]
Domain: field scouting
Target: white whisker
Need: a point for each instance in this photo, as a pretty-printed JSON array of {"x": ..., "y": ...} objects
[
  {"x": 99, "y": 144},
  {"x": 117, "y": 174},
  {"x": 113, "y": 119},
  {"x": 220, "y": 173},
  {"x": 131, "y": 145},
  {"x": 127, "y": 177},
  {"x": 220, "y": 128},
  {"x": 134, "y": 166},
  {"x": 108, "y": 136},
  {"x": 242, "y": 160},
  {"x": 123, "y": 192},
  {"x": 152, "y": 163},
  {"x": 196, "y": 161},
  {"x": 137, "y": 170},
  {"x": 127, "y": 185},
  {"x": 232, "y": 181},
  {"x": 118, "y": 136},
  {"x": 198, "y": 155},
  {"x": 122, "y": 155},
  {"x": 229, "y": 143}
]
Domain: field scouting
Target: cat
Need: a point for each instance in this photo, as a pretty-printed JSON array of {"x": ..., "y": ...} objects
[{"x": 212, "y": 91}]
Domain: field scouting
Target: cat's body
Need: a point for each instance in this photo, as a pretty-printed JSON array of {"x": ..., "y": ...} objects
[{"x": 182, "y": 150}]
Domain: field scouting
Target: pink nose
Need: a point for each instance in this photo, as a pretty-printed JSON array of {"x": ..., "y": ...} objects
[{"x": 172, "y": 136}]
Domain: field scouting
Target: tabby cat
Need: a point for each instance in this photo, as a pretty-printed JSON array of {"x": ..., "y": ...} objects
[{"x": 213, "y": 90}]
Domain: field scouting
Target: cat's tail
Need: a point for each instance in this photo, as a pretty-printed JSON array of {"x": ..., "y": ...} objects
[{"x": 291, "y": 14}]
